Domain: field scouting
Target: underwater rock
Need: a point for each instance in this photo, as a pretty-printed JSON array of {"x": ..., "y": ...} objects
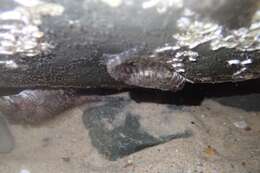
[
  {"x": 116, "y": 129},
  {"x": 67, "y": 43}
]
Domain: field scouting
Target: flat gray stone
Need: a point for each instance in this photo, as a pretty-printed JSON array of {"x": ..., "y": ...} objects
[{"x": 119, "y": 126}]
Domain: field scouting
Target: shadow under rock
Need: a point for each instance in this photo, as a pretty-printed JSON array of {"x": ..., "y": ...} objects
[{"x": 243, "y": 95}]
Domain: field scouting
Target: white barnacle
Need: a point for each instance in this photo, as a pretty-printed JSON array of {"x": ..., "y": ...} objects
[
  {"x": 181, "y": 70},
  {"x": 146, "y": 73},
  {"x": 166, "y": 48},
  {"x": 9, "y": 64},
  {"x": 162, "y": 6},
  {"x": 240, "y": 71},
  {"x": 150, "y": 4},
  {"x": 179, "y": 54},
  {"x": 113, "y": 3},
  {"x": 192, "y": 59},
  {"x": 192, "y": 55},
  {"x": 196, "y": 31},
  {"x": 233, "y": 62},
  {"x": 28, "y": 3},
  {"x": 241, "y": 64},
  {"x": 174, "y": 65},
  {"x": 247, "y": 61},
  {"x": 19, "y": 27},
  {"x": 238, "y": 62},
  {"x": 173, "y": 60},
  {"x": 183, "y": 22}
]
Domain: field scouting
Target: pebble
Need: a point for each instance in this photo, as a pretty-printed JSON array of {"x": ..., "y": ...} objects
[
  {"x": 241, "y": 124},
  {"x": 24, "y": 171}
]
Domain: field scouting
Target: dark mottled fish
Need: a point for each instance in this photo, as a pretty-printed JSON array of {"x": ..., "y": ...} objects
[
  {"x": 135, "y": 69},
  {"x": 34, "y": 106}
]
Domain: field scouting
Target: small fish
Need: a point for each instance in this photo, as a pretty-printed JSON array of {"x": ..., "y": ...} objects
[
  {"x": 134, "y": 69},
  {"x": 34, "y": 106}
]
